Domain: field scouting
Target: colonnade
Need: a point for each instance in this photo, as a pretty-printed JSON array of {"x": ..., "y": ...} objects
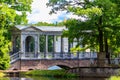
[
  {"x": 34, "y": 42},
  {"x": 28, "y": 40}
]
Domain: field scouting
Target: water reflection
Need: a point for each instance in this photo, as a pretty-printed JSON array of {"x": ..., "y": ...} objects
[{"x": 46, "y": 78}]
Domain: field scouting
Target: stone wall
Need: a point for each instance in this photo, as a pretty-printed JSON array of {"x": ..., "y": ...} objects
[
  {"x": 45, "y": 64},
  {"x": 95, "y": 71}
]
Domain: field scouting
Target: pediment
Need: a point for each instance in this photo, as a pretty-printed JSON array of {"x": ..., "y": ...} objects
[{"x": 30, "y": 29}]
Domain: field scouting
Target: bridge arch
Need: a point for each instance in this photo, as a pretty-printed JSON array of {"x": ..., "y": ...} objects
[
  {"x": 58, "y": 67},
  {"x": 60, "y": 63},
  {"x": 63, "y": 66}
]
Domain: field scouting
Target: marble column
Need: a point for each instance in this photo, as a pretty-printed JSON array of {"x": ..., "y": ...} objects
[
  {"x": 23, "y": 45},
  {"x": 46, "y": 45},
  {"x": 54, "y": 45},
  {"x": 38, "y": 44},
  {"x": 62, "y": 46}
]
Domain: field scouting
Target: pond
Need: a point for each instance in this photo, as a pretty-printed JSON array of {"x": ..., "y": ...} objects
[{"x": 51, "y": 78}]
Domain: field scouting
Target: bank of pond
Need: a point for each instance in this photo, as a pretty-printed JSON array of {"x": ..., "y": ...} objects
[
  {"x": 59, "y": 74},
  {"x": 42, "y": 73},
  {"x": 50, "y": 73}
]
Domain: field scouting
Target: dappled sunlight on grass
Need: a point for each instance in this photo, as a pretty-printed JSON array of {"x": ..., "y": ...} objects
[
  {"x": 50, "y": 73},
  {"x": 1, "y": 74},
  {"x": 114, "y": 78}
]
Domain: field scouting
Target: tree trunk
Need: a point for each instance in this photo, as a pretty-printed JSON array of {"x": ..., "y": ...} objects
[
  {"x": 106, "y": 50},
  {"x": 101, "y": 54},
  {"x": 101, "y": 48},
  {"x": 101, "y": 59}
]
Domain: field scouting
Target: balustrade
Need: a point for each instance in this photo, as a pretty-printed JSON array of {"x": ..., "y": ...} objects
[
  {"x": 51, "y": 55},
  {"x": 14, "y": 57},
  {"x": 89, "y": 56}
]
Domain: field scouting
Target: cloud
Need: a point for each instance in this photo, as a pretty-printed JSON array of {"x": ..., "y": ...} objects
[{"x": 40, "y": 13}]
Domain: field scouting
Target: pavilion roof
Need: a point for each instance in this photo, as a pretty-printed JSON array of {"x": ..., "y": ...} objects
[{"x": 43, "y": 28}]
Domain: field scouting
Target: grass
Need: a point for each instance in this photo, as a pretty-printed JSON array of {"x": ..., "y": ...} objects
[
  {"x": 50, "y": 73},
  {"x": 2, "y": 74},
  {"x": 114, "y": 78}
]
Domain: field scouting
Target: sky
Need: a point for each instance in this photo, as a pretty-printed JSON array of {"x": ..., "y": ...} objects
[{"x": 40, "y": 13}]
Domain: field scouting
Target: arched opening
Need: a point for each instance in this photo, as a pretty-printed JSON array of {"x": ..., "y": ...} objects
[
  {"x": 30, "y": 44},
  {"x": 58, "y": 67},
  {"x": 15, "y": 69},
  {"x": 64, "y": 67},
  {"x": 54, "y": 67},
  {"x": 30, "y": 69}
]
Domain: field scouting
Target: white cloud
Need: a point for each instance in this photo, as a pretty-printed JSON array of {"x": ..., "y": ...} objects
[{"x": 40, "y": 13}]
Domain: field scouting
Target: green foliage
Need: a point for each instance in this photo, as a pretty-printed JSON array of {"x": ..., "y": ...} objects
[
  {"x": 4, "y": 54},
  {"x": 42, "y": 43},
  {"x": 100, "y": 28},
  {"x": 75, "y": 49},
  {"x": 89, "y": 11},
  {"x": 50, "y": 43},
  {"x": 50, "y": 73},
  {"x": 2, "y": 74},
  {"x": 44, "y": 24},
  {"x": 4, "y": 78},
  {"x": 77, "y": 30},
  {"x": 50, "y": 38},
  {"x": 114, "y": 78},
  {"x": 8, "y": 18},
  {"x": 49, "y": 24}
]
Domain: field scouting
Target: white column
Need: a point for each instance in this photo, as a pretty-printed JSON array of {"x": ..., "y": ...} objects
[
  {"x": 22, "y": 44},
  {"x": 38, "y": 43},
  {"x": 46, "y": 45},
  {"x": 54, "y": 45},
  {"x": 65, "y": 44},
  {"x": 62, "y": 48}
]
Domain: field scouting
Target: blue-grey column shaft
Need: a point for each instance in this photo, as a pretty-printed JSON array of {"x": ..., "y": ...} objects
[
  {"x": 23, "y": 44},
  {"x": 54, "y": 45},
  {"x": 46, "y": 45},
  {"x": 38, "y": 43},
  {"x": 62, "y": 48}
]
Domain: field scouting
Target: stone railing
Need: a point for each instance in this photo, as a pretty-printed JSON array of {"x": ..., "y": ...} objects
[
  {"x": 86, "y": 56},
  {"x": 14, "y": 57},
  {"x": 51, "y": 55}
]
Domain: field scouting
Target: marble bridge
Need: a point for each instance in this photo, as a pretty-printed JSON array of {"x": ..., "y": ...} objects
[{"x": 40, "y": 47}]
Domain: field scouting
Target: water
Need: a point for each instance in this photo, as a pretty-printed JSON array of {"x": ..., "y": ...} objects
[{"x": 48, "y": 78}]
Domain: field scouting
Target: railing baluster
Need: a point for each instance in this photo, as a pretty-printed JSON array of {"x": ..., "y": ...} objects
[{"x": 14, "y": 57}]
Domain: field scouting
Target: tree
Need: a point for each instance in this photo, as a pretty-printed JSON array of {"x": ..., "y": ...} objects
[
  {"x": 9, "y": 17},
  {"x": 102, "y": 19},
  {"x": 49, "y": 24}
]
